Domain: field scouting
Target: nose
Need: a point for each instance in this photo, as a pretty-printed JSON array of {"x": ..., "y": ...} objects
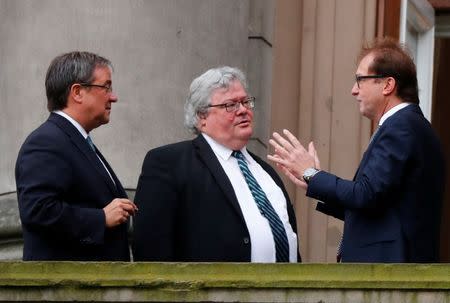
[
  {"x": 355, "y": 89},
  {"x": 241, "y": 109},
  {"x": 113, "y": 97}
]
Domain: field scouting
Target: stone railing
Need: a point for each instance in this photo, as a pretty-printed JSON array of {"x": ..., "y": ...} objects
[
  {"x": 10, "y": 230},
  {"x": 223, "y": 282}
]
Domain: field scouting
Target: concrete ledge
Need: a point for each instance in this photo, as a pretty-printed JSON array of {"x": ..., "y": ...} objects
[{"x": 223, "y": 282}]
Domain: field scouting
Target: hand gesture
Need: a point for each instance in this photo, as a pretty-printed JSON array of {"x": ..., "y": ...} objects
[{"x": 292, "y": 158}]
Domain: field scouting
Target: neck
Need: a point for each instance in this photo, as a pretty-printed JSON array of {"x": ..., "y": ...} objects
[
  {"x": 391, "y": 102},
  {"x": 77, "y": 117}
]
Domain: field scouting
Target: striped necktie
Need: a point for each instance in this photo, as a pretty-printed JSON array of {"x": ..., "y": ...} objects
[
  {"x": 91, "y": 144},
  {"x": 266, "y": 209}
]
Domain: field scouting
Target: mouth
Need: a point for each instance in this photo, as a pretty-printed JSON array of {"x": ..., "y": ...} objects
[{"x": 243, "y": 123}]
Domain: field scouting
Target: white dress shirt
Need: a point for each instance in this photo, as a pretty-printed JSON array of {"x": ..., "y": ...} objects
[
  {"x": 262, "y": 242},
  {"x": 392, "y": 111}
]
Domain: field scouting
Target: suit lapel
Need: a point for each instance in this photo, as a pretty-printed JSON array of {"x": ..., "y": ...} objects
[
  {"x": 81, "y": 143},
  {"x": 208, "y": 157}
]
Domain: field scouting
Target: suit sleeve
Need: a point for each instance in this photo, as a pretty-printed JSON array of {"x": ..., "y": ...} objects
[
  {"x": 381, "y": 174},
  {"x": 43, "y": 178},
  {"x": 334, "y": 210},
  {"x": 156, "y": 197}
]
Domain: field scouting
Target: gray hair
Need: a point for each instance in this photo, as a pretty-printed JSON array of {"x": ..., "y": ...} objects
[
  {"x": 66, "y": 70},
  {"x": 203, "y": 87}
]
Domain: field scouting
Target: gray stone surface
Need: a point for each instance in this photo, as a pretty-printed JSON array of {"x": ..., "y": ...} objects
[
  {"x": 9, "y": 216},
  {"x": 10, "y": 230},
  {"x": 222, "y": 282}
]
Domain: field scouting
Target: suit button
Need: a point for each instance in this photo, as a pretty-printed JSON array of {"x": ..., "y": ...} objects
[
  {"x": 246, "y": 240},
  {"x": 87, "y": 240}
]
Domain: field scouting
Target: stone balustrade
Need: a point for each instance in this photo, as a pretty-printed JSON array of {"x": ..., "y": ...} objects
[{"x": 222, "y": 282}]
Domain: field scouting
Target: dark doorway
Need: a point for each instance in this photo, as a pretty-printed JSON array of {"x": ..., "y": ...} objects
[{"x": 441, "y": 123}]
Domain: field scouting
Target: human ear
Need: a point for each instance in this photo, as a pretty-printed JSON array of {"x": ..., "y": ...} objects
[
  {"x": 201, "y": 119},
  {"x": 76, "y": 93},
  {"x": 389, "y": 86}
]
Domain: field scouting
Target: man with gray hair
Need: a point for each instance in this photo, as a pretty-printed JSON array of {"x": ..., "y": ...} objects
[
  {"x": 71, "y": 204},
  {"x": 210, "y": 199}
]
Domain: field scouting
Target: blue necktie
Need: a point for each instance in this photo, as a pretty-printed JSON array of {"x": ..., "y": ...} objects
[
  {"x": 266, "y": 209},
  {"x": 91, "y": 144}
]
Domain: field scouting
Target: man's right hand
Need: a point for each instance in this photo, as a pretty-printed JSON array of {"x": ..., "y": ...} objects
[{"x": 118, "y": 211}]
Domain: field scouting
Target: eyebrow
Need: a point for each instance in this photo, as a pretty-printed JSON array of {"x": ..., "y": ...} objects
[{"x": 237, "y": 99}]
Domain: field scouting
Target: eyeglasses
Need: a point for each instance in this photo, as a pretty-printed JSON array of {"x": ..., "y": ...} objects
[
  {"x": 232, "y": 107},
  {"x": 107, "y": 88},
  {"x": 359, "y": 78}
]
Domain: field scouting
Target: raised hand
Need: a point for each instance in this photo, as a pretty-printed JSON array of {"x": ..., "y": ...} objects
[{"x": 291, "y": 157}]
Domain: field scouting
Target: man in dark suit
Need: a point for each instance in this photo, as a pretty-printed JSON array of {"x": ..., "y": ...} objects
[
  {"x": 72, "y": 206},
  {"x": 391, "y": 209},
  {"x": 194, "y": 200}
]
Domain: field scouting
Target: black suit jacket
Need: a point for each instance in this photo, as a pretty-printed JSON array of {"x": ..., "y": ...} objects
[
  {"x": 62, "y": 188},
  {"x": 188, "y": 210},
  {"x": 392, "y": 208}
]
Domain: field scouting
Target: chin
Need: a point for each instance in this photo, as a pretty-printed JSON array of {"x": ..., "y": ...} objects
[{"x": 247, "y": 135}]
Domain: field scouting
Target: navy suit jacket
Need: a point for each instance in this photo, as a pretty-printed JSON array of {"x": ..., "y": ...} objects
[
  {"x": 62, "y": 188},
  {"x": 392, "y": 208},
  {"x": 188, "y": 210}
]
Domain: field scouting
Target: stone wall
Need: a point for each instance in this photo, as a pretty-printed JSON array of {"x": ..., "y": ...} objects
[
  {"x": 219, "y": 282},
  {"x": 10, "y": 230}
]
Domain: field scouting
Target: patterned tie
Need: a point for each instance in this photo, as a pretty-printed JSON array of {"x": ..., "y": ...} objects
[
  {"x": 339, "y": 250},
  {"x": 266, "y": 209},
  {"x": 91, "y": 144}
]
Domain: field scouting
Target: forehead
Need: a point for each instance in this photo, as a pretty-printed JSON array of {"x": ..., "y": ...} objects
[
  {"x": 364, "y": 64},
  {"x": 102, "y": 73},
  {"x": 234, "y": 90}
]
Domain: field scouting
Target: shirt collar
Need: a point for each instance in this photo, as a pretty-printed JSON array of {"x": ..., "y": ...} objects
[
  {"x": 73, "y": 121},
  {"x": 392, "y": 111},
  {"x": 224, "y": 152}
]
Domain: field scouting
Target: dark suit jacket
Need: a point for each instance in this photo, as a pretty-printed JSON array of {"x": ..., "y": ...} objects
[
  {"x": 188, "y": 210},
  {"x": 62, "y": 187},
  {"x": 392, "y": 208}
]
